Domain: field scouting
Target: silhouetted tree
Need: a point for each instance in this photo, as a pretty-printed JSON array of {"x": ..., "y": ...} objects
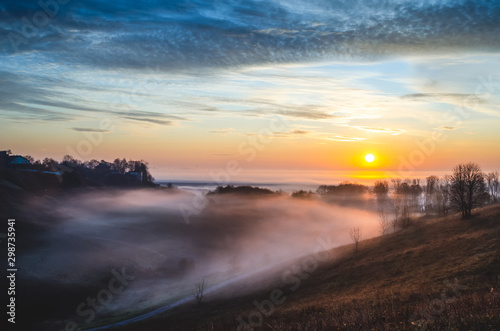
[
  {"x": 199, "y": 291},
  {"x": 397, "y": 212},
  {"x": 120, "y": 166},
  {"x": 91, "y": 164},
  {"x": 431, "y": 189},
  {"x": 70, "y": 161},
  {"x": 383, "y": 221},
  {"x": 467, "y": 190},
  {"x": 50, "y": 164},
  {"x": 493, "y": 185},
  {"x": 344, "y": 189},
  {"x": 414, "y": 194},
  {"x": 302, "y": 194},
  {"x": 355, "y": 234},
  {"x": 405, "y": 220},
  {"x": 381, "y": 189},
  {"x": 443, "y": 196}
]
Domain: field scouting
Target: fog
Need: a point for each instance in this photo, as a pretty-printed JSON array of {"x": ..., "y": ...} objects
[{"x": 144, "y": 231}]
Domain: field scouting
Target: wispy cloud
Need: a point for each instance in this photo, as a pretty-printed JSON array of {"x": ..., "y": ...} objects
[
  {"x": 149, "y": 120},
  {"x": 223, "y": 132},
  {"x": 204, "y": 34},
  {"x": 438, "y": 96},
  {"x": 448, "y": 128},
  {"x": 390, "y": 131},
  {"x": 90, "y": 130},
  {"x": 292, "y": 133},
  {"x": 345, "y": 138}
]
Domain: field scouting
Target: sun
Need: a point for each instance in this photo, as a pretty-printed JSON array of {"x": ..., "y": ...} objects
[{"x": 369, "y": 158}]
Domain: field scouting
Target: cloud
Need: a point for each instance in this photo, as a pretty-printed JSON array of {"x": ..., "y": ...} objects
[
  {"x": 436, "y": 96},
  {"x": 393, "y": 132},
  {"x": 297, "y": 132},
  {"x": 345, "y": 138},
  {"x": 222, "y": 131},
  {"x": 150, "y": 120},
  {"x": 25, "y": 97},
  {"x": 277, "y": 31},
  {"x": 449, "y": 127},
  {"x": 482, "y": 103},
  {"x": 179, "y": 36},
  {"x": 90, "y": 130}
]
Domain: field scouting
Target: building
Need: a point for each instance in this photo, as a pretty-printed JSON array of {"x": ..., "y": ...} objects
[
  {"x": 18, "y": 159},
  {"x": 137, "y": 175},
  {"x": 102, "y": 169},
  {"x": 7, "y": 160}
]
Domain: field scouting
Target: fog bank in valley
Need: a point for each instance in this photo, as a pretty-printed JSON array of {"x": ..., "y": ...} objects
[{"x": 144, "y": 231}]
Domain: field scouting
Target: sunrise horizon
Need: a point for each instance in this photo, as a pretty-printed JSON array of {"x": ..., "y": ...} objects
[{"x": 250, "y": 165}]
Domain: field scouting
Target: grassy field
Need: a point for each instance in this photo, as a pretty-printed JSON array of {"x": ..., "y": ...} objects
[{"x": 441, "y": 273}]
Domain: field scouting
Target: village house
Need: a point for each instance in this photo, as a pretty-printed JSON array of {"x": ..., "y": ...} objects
[{"x": 8, "y": 160}]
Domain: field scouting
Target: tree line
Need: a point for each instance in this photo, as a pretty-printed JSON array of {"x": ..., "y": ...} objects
[{"x": 72, "y": 172}]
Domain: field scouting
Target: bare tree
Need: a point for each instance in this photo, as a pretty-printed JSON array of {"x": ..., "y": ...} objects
[
  {"x": 493, "y": 185},
  {"x": 355, "y": 234},
  {"x": 443, "y": 195},
  {"x": 70, "y": 161},
  {"x": 383, "y": 221},
  {"x": 199, "y": 291},
  {"x": 381, "y": 189},
  {"x": 397, "y": 212},
  {"x": 431, "y": 189},
  {"x": 468, "y": 189},
  {"x": 120, "y": 166},
  {"x": 30, "y": 158},
  {"x": 405, "y": 220},
  {"x": 91, "y": 164}
]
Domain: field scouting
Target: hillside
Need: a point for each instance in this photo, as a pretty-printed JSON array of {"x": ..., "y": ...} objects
[{"x": 442, "y": 273}]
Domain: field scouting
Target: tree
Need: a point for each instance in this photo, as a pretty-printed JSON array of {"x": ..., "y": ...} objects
[
  {"x": 30, "y": 158},
  {"x": 467, "y": 190},
  {"x": 91, "y": 164},
  {"x": 50, "y": 164},
  {"x": 383, "y": 221},
  {"x": 397, "y": 211},
  {"x": 381, "y": 189},
  {"x": 405, "y": 220},
  {"x": 415, "y": 193},
  {"x": 443, "y": 195},
  {"x": 493, "y": 185},
  {"x": 120, "y": 166},
  {"x": 431, "y": 191},
  {"x": 355, "y": 234},
  {"x": 199, "y": 291},
  {"x": 70, "y": 161}
]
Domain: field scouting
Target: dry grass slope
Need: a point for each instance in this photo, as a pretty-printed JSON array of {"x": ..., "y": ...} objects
[{"x": 441, "y": 274}]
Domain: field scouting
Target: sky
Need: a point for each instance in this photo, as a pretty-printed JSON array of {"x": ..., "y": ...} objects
[{"x": 251, "y": 89}]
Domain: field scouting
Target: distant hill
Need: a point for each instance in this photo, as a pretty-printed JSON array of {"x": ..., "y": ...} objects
[
  {"x": 440, "y": 274},
  {"x": 244, "y": 189}
]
